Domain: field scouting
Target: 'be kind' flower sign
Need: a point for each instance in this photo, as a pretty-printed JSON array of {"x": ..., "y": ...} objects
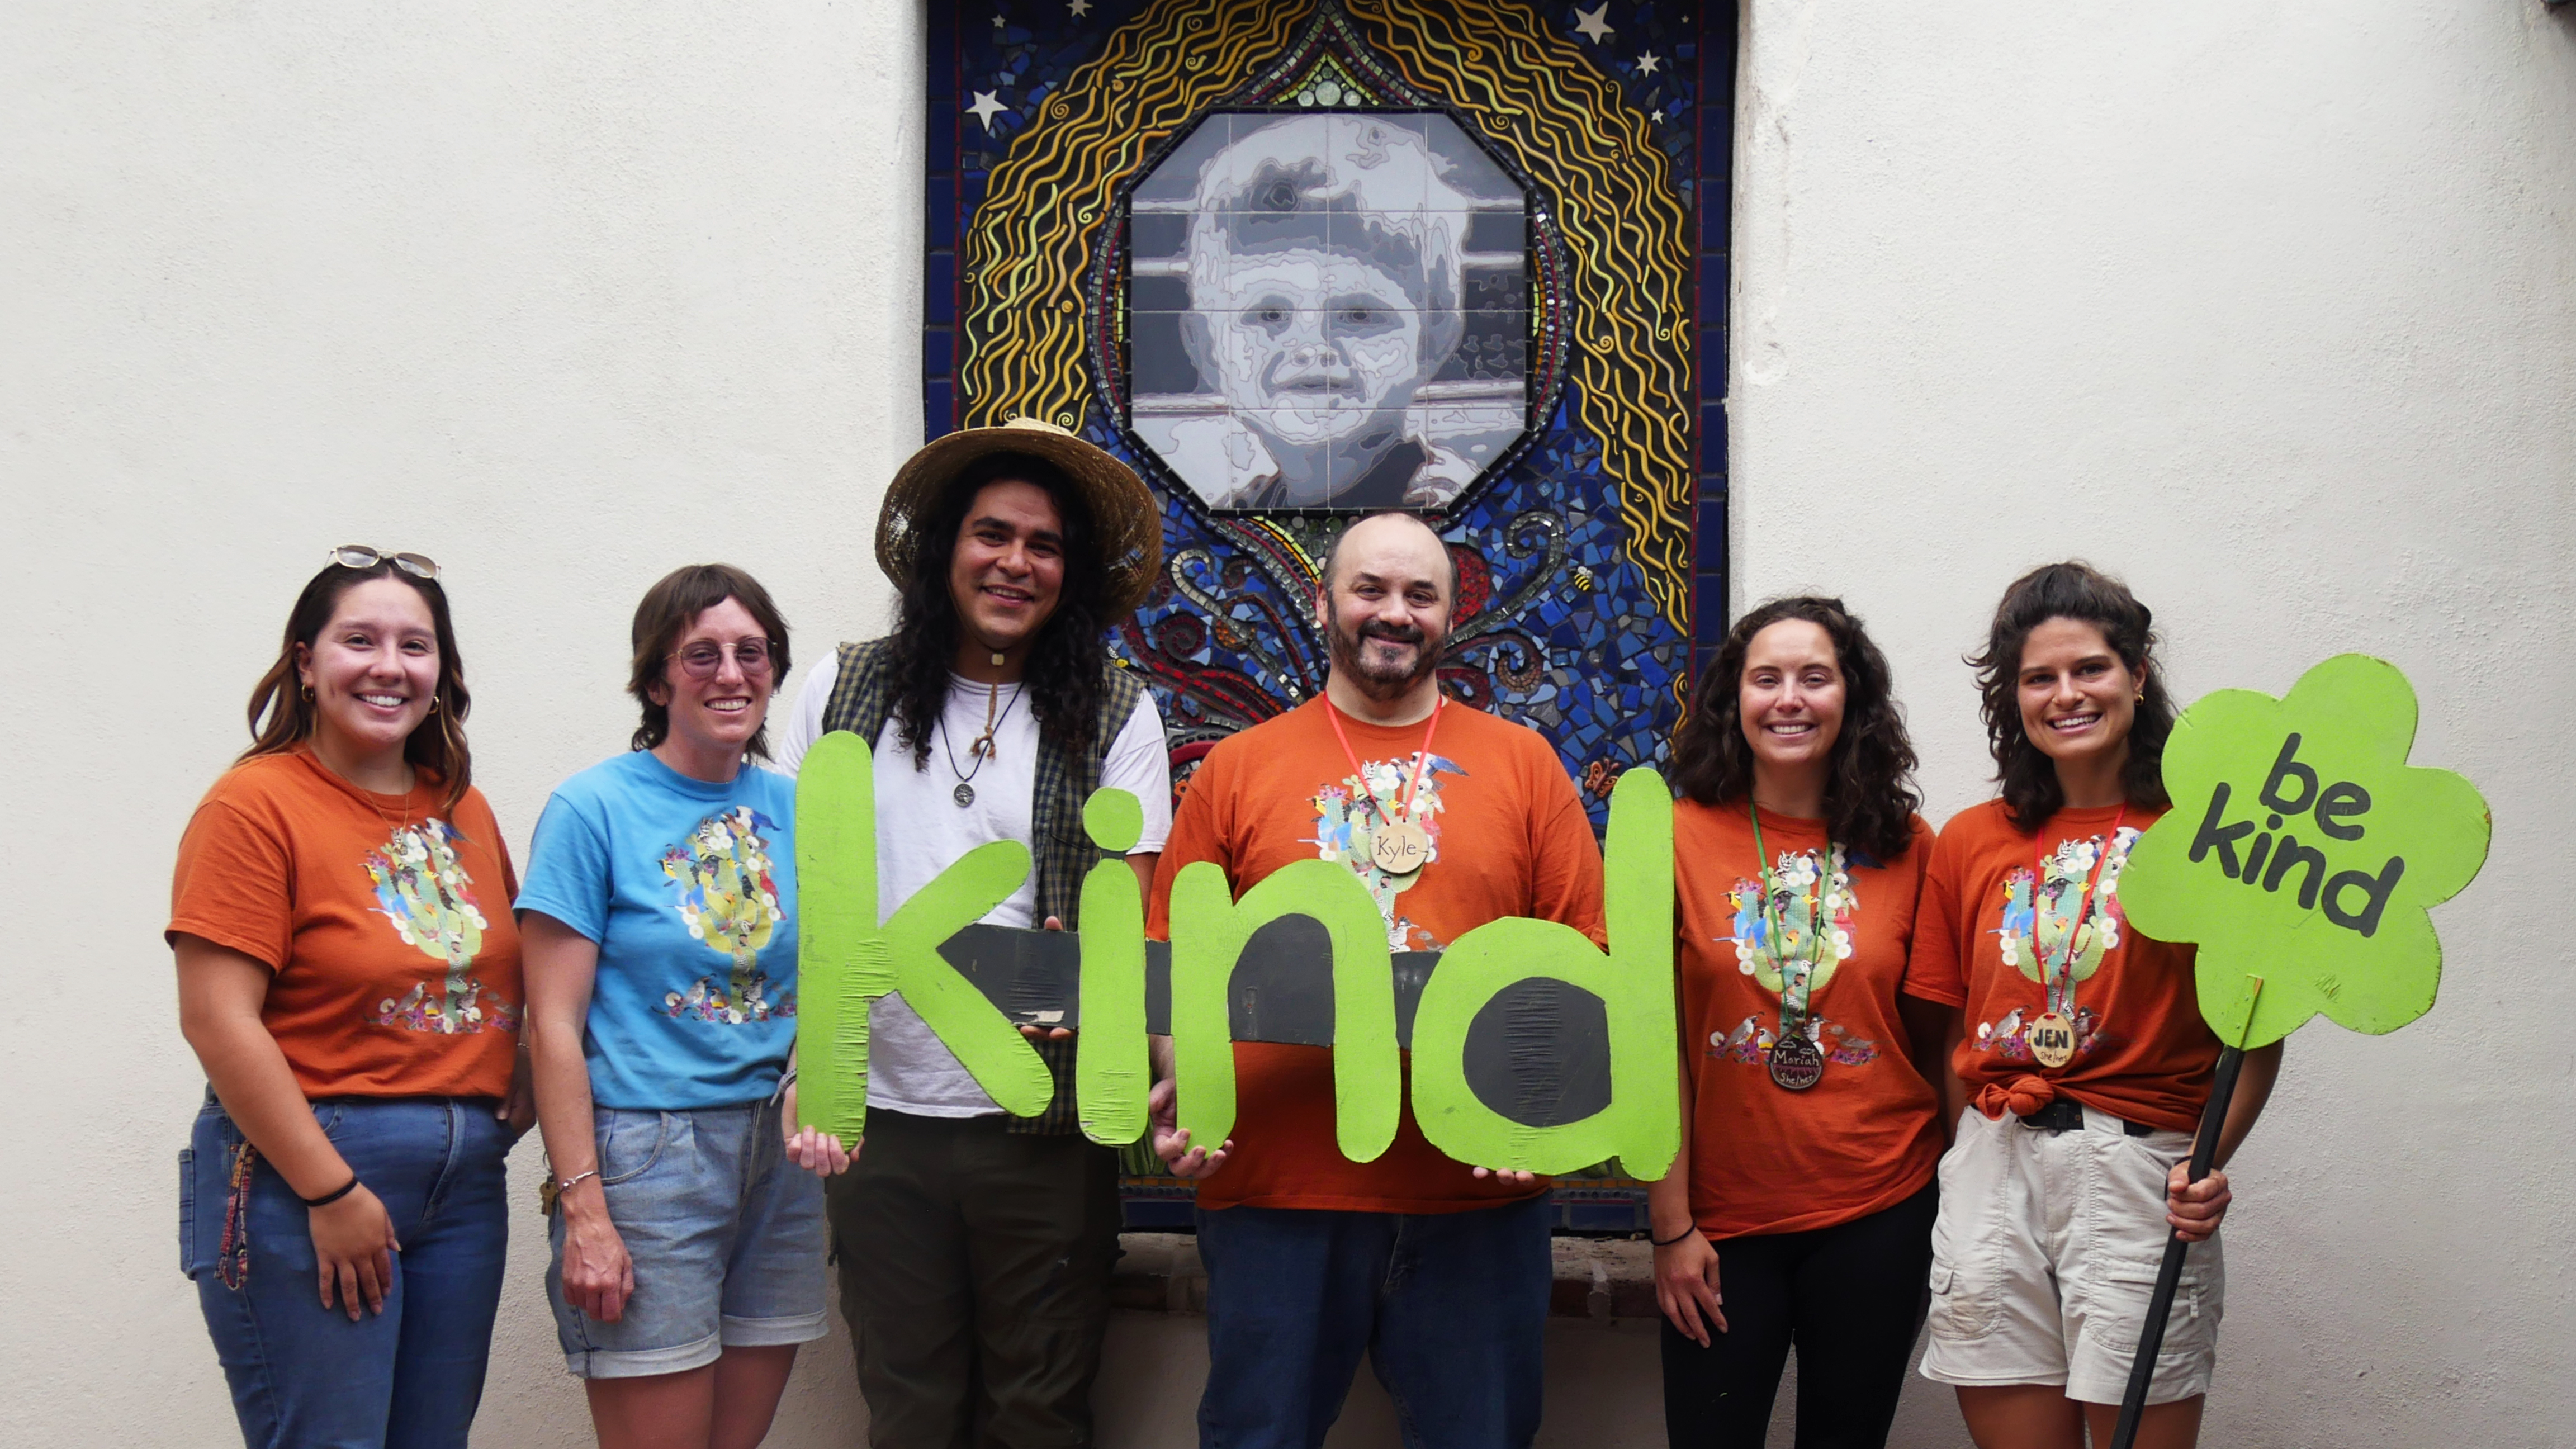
[{"x": 2303, "y": 850}]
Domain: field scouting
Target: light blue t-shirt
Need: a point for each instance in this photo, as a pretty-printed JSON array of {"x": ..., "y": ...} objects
[{"x": 690, "y": 890}]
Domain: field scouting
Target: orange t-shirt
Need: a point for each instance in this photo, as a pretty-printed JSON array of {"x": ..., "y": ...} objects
[
  {"x": 2142, "y": 1051},
  {"x": 1509, "y": 838},
  {"x": 1867, "y": 1135},
  {"x": 384, "y": 920}
]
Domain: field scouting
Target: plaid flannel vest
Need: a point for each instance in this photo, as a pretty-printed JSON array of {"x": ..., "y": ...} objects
[{"x": 862, "y": 699}]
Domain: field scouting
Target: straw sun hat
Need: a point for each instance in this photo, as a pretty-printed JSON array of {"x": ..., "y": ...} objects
[{"x": 1123, "y": 511}]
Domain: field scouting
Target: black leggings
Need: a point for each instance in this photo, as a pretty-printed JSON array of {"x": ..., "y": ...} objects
[{"x": 1851, "y": 1297}]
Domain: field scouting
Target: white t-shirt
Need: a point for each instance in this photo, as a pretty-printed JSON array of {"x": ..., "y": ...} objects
[{"x": 922, "y": 830}]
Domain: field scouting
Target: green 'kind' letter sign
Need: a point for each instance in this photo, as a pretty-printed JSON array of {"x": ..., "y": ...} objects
[
  {"x": 2303, "y": 850},
  {"x": 849, "y": 960}
]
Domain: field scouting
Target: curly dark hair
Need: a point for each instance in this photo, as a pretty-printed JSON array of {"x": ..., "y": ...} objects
[
  {"x": 1870, "y": 798},
  {"x": 2072, "y": 590},
  {"x": 1063, "y": 678}
]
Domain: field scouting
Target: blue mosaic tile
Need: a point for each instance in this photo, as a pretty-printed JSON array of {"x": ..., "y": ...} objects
[
  {"x": 1582, "y": 655},
  {"x": 939, "y": 212},
  {"x": 940, "y": 61},
  {"x": 1712, "y": 598},
  {"x": 938, "y": 414},
  {"x": 939, "y": 289}
]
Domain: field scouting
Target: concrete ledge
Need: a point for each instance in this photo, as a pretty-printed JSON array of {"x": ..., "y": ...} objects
[
  {"x": 1602, "y": 1278},
  {"x": 1159, "y": 1273}
]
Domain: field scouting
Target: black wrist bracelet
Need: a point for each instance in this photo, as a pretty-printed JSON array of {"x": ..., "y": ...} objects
[
  {"x": 1650, "y": 1237},
  {"x": 328, "y": 1198}
]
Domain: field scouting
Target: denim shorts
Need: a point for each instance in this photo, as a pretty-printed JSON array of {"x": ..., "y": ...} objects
[{"x": 725, "y": 1233}]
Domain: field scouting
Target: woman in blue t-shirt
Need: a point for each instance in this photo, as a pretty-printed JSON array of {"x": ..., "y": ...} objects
[{"x": 659, "y": 926}]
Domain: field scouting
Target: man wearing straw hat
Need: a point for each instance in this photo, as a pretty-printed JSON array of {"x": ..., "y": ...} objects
[{"x": 974, "y": 1247}]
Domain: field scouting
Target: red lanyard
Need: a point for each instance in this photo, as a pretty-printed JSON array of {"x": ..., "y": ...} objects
[
  {"x": 2049, "y": 980},
  {"x": 1421, "y": 762}
]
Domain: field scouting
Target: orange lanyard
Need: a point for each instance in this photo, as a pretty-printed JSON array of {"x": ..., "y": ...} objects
[{"x": 1421, "y": 762}]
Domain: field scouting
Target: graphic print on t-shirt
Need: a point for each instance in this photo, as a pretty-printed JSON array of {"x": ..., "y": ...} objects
[
  {"x": 422, "y": 888},
  {"x": 1348, "y": 816},
  {"x": 1795, "y": 881},
  {"x": 728, "y": 899},
  {"x": 2060, "y": 897}
]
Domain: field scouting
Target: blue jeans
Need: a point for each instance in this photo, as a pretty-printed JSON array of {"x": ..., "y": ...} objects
[
  {"x": 305, "y": 1377},
  {"x": 1451, "y": 1309}
]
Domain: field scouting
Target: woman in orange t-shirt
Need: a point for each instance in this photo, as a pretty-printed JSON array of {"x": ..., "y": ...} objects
[
  {"x": 349, "y": 979},
  {"x": 2082, "y": 1050},
  {"x": 1800, "y": 1209}
]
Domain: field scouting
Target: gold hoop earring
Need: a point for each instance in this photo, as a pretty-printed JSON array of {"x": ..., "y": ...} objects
[{"x": 308, "y": 694}]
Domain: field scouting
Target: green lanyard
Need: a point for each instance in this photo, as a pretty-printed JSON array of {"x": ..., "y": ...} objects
[{"x": 1796, "y": 985}]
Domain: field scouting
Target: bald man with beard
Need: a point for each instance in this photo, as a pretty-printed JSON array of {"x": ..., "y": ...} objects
[{"x": 1437, "y": 1271}]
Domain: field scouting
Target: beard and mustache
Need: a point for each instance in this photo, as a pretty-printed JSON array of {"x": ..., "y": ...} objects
[{"x": 1384, "y": 679}]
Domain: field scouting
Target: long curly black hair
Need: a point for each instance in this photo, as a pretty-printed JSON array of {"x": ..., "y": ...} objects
[
  {"x": 1063, "y": 677},
  {"x": 2078, "y": 591},
  {"x": 1870, "y": 797}
]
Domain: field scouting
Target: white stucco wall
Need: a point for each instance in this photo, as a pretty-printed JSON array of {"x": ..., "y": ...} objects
[
  {"x": 2269, "y": 306},
  {"x": 562, "y": 295}
]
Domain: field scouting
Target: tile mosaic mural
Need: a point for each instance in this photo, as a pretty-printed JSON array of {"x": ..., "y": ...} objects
[
  {"x": 1297, "y": 259},
  {"x": 1317, "y": 332}
]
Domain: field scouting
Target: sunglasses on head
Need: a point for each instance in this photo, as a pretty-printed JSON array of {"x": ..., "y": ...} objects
[{"x": 359, "y": 556}]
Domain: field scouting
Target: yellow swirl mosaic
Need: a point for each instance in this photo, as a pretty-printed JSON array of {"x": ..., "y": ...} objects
[{"x": 1537, "y": 98}]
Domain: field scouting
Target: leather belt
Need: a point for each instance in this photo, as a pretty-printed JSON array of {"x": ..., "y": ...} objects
[{"x": 2067, "y": 1115}]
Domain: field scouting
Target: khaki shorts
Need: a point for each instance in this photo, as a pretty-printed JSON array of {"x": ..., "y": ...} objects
[{"x": 2045, "y": 1255}]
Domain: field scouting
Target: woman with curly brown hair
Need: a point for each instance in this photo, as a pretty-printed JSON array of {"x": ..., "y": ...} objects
[
  {"x": 2082, "y": 1049},
  {"x": 1800, "y": 1209}
]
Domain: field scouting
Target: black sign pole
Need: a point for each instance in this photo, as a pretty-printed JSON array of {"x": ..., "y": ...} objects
[{"x": 2151, "y": 1334}]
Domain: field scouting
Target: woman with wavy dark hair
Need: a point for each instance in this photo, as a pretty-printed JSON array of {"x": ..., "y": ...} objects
[
  {"x": 2087, "y": 1063},
  {"x": 1800, "y": 1209},
  {"x": 349, "y": 978}
]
